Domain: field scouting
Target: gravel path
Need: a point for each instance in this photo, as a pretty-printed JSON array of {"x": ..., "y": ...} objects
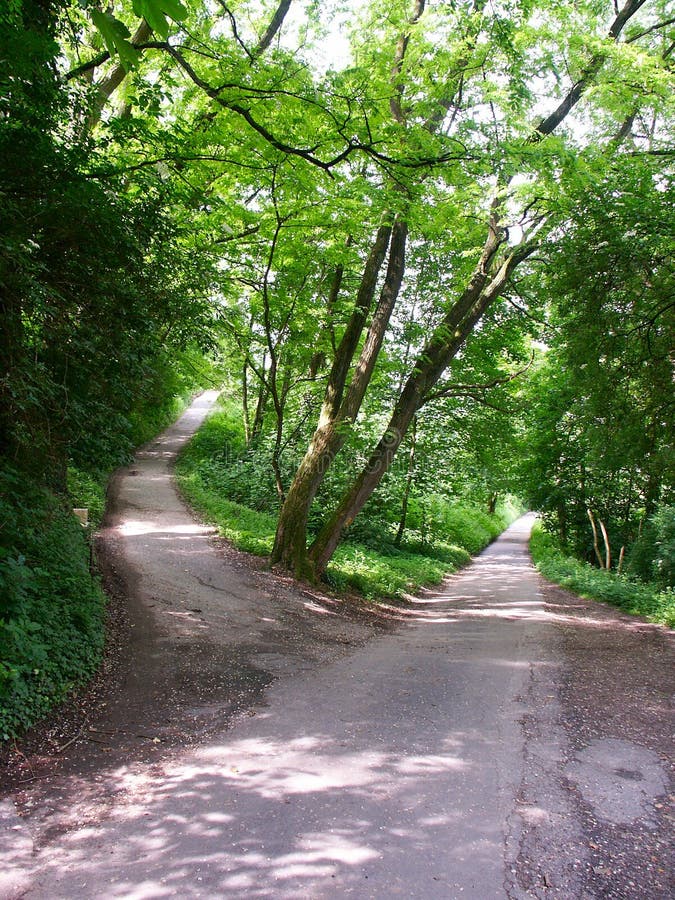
[{"x": 497, "y": 738}]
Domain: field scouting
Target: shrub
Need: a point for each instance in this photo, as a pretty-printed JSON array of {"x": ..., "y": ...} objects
[
  {"x": 648, "y": 600},
  {"x": 51, "y": 624}
]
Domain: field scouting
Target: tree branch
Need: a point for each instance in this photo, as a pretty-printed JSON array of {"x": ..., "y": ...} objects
[
  {"x": 551, "y": 122},
  {"x": 401, "y": 48},
  {"x": 235, "y": 32},
  {"x": 111, "y": 82},
  {"x": 472, "y": 390},
  {"x": 659, "y": 25},
  {"x": 272, "y": 28}
]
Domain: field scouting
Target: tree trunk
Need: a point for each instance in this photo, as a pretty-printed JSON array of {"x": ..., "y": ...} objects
[
  {"x": 244, "y": 403},
  {"x": 290, "y": 542},
  {"x": 290, "y": 545},
  {"x": 354, "y": 499},
  {"x": 596, "y": 545},
  {"x": 408, "y": 486},
  {"x": 272, "y": 29},
  {"x": 562, "y": 523},
  {"x": 108, "y": 85},
  {"x": 260, "y": 408},
  {"x": 444, "y": 344},
  {"x": 279, "y": 399},
  {"x": 605, "y": 539},
  {"x": 11, "y": 346},
  {"x": 341, "y": 405},
  {"x": 357, "y": 321}
]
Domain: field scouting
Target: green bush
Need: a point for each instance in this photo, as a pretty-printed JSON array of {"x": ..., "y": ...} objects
[
  {"x": 648, "y": 600},
  {"x": 664, "y": 557},
  {"x": 87, "y": 491},
  {"x": 51, "y": 623},
  {"x": 652, "y": 557}
]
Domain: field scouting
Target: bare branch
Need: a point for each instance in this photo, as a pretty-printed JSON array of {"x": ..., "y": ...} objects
[
  {"x": 254, "y": 229},
  {"x": 401, "y": 48},
  {"x": 235, "y": 32},
  {"x": 87, "y": 66},
  {"x": 476, "y": 390},
  {"x": 657, "y": 27}
]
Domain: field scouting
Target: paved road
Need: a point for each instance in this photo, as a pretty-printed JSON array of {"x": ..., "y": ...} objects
[{"x": 435, "y": 761}]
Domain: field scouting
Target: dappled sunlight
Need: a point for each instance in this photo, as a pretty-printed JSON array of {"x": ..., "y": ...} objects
[
  {"x": 532, "y": 611},
  {"x": 134, "y": 528},
  {"x": 415, "y": 765},
  {"x": 338, "y": 812},
  {"x": 163, "y": 478},
  {"x": 167, "y": 454},
  {"x": 319, "y": 846},
  {"x": 314, "y": 607},
  {"x": 491, "y": 587}
]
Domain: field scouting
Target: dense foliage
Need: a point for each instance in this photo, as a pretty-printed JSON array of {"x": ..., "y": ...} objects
[
  {"x": 601, "y": 416},
  {"x": 103, "y": 314},
  {"x": 51, "y": 628},
  {"x": 98, "y": 285}
]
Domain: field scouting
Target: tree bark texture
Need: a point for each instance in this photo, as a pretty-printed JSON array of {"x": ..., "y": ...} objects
[{"x": 108, "y": 85}]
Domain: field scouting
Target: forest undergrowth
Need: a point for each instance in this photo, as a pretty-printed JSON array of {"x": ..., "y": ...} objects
[{"x": 53, "y": 619}]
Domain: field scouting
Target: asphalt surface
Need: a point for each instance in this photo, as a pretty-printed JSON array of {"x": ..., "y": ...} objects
[{"x": 457, "y": 752}]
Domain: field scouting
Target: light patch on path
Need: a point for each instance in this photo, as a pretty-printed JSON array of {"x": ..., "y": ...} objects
[
  {"x": 620, "y": 780},
  {"x": 16, "y": 846}
]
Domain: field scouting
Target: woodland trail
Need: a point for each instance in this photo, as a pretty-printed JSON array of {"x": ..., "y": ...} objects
[{"x": 497, "y": 738}]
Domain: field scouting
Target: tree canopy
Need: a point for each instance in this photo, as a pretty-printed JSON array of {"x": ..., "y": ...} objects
[{"x": 376, "y": 235}]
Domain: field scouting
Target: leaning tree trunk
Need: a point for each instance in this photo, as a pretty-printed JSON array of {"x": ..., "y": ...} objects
[
  {"x": 408, "y": 486},
  {"x": 444, "y": 344},
  {"x": 341, "y": 404}
]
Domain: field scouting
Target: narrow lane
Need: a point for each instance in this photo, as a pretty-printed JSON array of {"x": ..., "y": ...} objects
[{"x": 433, "y": 762}]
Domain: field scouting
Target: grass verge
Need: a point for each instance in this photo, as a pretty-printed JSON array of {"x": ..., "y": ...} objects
[{"x": 637, "y": 598}]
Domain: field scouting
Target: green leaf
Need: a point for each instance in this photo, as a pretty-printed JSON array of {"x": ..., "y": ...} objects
[
  {"x": 115, "y": 34},
  {"x": 157, "y": 13},
  {"x": 174, "y": 9}
]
